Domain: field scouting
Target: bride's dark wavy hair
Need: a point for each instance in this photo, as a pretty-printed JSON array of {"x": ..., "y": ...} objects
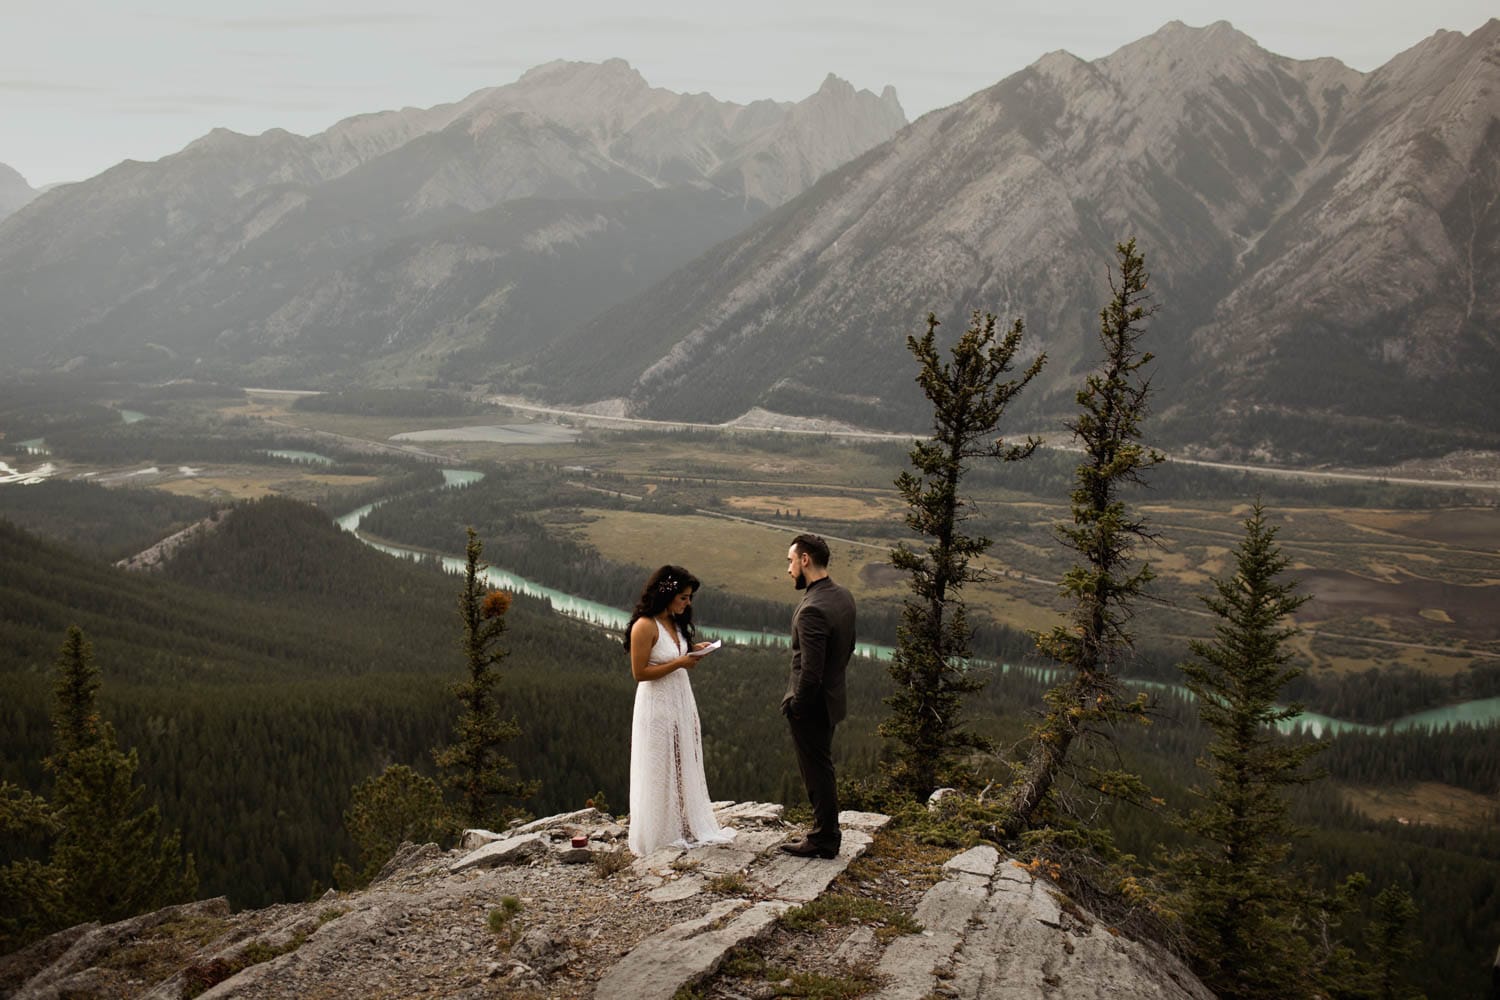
[{"x": 665, "y": 584}]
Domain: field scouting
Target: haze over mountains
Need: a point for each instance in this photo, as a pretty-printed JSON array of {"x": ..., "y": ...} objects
[
  {"x": 1323, "y": 244},
  {"x": 14, "y": 191},
  {"x": 391, "y": 244}
]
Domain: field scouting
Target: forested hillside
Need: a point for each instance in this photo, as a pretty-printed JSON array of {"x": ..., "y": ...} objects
[
  {"x": 97, "y": 521},
  {"x": 283, "y": 663},
  {"x": 279, "y": 661}
]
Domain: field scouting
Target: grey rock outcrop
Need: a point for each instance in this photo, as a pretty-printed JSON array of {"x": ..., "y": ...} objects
[
  {"x": 757, "y": 813},
  {"x": 582, "y": 818},
  {"x": 688, "y": 951},
  {"x": 543, "y": 949},
  {"x": 73, "y": 972},
  {"x": 995, "y": 930},
  {"x": 409, "y": 857},
  {"x": 433, "y": 926},
  {"x": 509, "y": 851},
  {"x": 156, "y": 556},
  {"x": 801, "y": 880},
  {"x": 28, "y": 963}
]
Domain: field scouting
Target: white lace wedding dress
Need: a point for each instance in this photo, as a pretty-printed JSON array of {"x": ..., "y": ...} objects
[{"x": 669, "y": 803}]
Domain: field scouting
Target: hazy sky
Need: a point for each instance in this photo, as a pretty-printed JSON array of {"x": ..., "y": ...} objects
[{"x": 87, "y": 83}]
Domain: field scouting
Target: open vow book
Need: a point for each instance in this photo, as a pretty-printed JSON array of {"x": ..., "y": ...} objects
[{"x": 706, "y": 649}]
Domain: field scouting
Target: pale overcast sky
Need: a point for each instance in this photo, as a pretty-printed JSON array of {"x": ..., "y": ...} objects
[{"x": 87, "y": 83}]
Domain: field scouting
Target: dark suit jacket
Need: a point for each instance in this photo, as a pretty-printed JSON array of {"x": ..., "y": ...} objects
[{"x": 822, "y": 642}]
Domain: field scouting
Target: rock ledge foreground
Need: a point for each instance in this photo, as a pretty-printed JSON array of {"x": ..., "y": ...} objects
[{"x": 528, "y": 914}]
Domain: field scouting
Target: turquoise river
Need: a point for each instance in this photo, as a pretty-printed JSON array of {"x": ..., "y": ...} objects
[{"x": 1484, "y": 711}]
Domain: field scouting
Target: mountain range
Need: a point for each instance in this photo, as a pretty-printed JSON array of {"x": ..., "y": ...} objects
[
  {"x": 1322, "y": 244},
  {"x": 1319, "y": 241},
  {"x": 397, "y": 243}
]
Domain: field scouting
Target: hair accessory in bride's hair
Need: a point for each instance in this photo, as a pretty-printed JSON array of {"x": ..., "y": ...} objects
[{"x": 668, "y": 585}]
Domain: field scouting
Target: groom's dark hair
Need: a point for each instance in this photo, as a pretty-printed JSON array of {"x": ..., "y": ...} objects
[{"x": 814, "y": 547}]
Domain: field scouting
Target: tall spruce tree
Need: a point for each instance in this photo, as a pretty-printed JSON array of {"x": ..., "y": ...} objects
[
  {"x": 112, "y": 856},
  {"x": 1104, "y": 582},
  {"x": 75, "y": 697},
  {"x": 1392, "y": 946},
  {"x": 473, "y": 765},
  {"x": 926, "y": 741},
  {"x": 1241, "y": 902}
]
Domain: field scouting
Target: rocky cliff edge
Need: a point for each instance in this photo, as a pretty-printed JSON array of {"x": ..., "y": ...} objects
[{"x": 528, "y": 914}]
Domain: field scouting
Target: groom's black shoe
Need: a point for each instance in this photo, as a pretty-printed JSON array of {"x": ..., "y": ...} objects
[{"x": 807, "y": 849}]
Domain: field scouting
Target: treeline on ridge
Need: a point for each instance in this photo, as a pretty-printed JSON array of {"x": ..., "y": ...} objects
[{"x": 391, "y": 403}]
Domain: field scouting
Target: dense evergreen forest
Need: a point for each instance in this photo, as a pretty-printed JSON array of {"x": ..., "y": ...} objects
[
  {"x": 105, "y": 523},
  {"x": 279, "y": 661},
  {"x": 36, "y": 408}
]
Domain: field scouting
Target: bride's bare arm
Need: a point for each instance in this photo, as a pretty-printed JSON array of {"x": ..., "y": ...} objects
[{"x": 642, "y": 638}]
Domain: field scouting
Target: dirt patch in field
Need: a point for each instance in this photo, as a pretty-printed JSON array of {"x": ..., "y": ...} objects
[
  {"x": 726, "y": 555},
  {"x": 878, "y": 575},
  {"x": 1426, "y": 802},
  {"x": 251, "y": 487},
  {"x": 219, "y": 488},
  {"x": 1465, "y": 527},
  {"x": 1472, "y": 612}
]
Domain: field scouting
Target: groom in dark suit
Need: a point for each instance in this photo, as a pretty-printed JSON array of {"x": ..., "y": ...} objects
[{"x": 822, "y": 642}]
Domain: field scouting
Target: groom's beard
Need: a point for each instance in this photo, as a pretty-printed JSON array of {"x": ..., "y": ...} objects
[{"x": 801, "y": 582}]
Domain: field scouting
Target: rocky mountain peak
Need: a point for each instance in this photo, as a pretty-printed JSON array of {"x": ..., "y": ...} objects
[
  {"x": 14, "y": 191},
  {"x": 10, "y": 177},
  {"x": 1431, "y": 64},
  {"x": 584, "y": 94},
  {"x": 573, "y": 75},
  {"x": 834, "y": 84},
  {"x": 838, "y": 92},
  {"x": 1179, "y": 57},
  {"x": 1060, "y": 66},
  {"x": 817, "y": 134},
  {"x": 217, "y": 140}
]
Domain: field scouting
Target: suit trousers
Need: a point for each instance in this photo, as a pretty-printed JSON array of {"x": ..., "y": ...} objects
[{"x": 813, "y": 740}]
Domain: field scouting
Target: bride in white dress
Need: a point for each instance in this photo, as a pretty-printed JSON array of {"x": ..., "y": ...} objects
[{"x": 669, "y": 803}]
